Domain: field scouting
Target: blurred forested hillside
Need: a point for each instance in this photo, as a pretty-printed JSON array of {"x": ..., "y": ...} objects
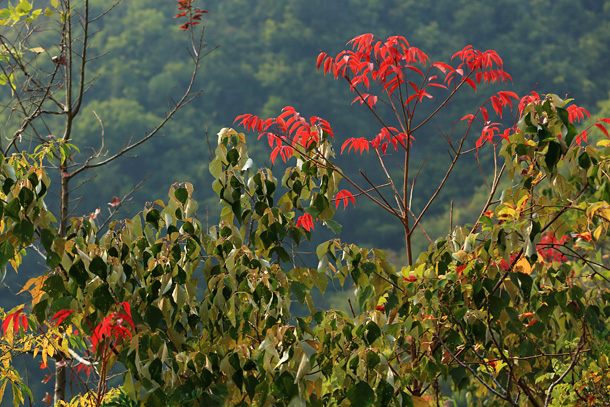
[{"x": 266, "y": 59}]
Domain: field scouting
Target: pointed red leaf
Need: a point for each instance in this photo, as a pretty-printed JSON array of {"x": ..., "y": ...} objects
[
  {"x": 60, "y": 316},
  {"x": 603, "y": 129}
]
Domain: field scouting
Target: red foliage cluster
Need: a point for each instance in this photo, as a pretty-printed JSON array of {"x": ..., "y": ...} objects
[
  {"x": 306, "y": 222},
  {"x": 344, "y": 196},
  {"x": 193, "y": 14},
  {"x": 83, "y": 368},
  {"x": 17, "y": 320},
  {"x": 287, "y": 132},
  {"x": 390, "y": 134},
  {"x": 547, "y": 251},
  {"x": 546, "y": 248},
  {"x": 387, "y": 62},
  {"x": 114, "y": 326}
]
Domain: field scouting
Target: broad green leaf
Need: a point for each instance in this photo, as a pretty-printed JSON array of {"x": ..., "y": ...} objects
[
  {"x": 102, "y": 299},
  {"x": 7, "y": 251},
  {"x": 361, "y": 395},
  {"x": 334, "y": 226}
]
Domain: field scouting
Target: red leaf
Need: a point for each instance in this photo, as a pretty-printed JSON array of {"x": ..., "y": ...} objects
[
  {"x": 320, "y": 59},
  {"x": 115, "y": 202},
  {"x": 485, "y": 115},
  {"x": 496, "y": 102},
  {"x": 306, "y": 222},
  {"x": 602, "y": 128},
  {"x": 576, "y": 113},
  {"x": 344, "y": 196},
  {"x": 471, "y": 83},
  {"x": 16, "y": 318},
  {"x": 506, "y": 97},
  {"x": 443, "y": 67},
  {"x": 469, "y": 117},
  {"x": 460, "y": 269},
  {"x": 358, "y": 144},
  {"x": 60, "y": 316},
  {"x": 414, "y": 69}
]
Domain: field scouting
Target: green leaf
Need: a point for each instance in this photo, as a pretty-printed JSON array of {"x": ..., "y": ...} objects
[
  {"x": 496, "y": 305},
  {"x": 47, "y": 237},
  {"x": 300, "y": 291},
  {"x": 372, "y": 359},
  {"x": 334, "y": 226},
  {"x": 99, "y": 267},
  {"x": 563, "y": 115},
  {"x": 372, "y": 332},
  {"x": 24, "y": 230},
  {"x": 182, "y": 195},
  {"x": 572, "y": 132},
  {"x": 26, "y": 196},
  {"x": 7, "y": 251},
  {"x": 385, "y": 393},
  {"x": 285, "y": 386},
  {"x": 153, "y": 217},
  {"x": 232, "y": 156},
  {"x": 54, "y": 286},
  {"x": 53, "y": 260},
  {"x": 525, "y": 285},
  {"x": 250, "y": 383},
  {"x": 552, "y": 155},
  {"x": 79, "y": 273},
  {"x": 155, "y": 369},
  {"x": 40, "y": 310},
  {"x": 23, "y": 8},
  {"x": 12, "y": 209},
  {"x": 584, "y": 160},
  {"x": 361, "y": 395},
  {"x": 102, "y": 299},
  {"x": 153, "y": 316}
]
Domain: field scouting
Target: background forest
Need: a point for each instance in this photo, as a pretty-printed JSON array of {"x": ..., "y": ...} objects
[
  {"x": 262, "y": 57},
  {"x": 265, "y": 60}
]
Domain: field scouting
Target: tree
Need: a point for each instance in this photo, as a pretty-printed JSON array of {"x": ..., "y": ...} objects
[
  {"x": 512, "y": 309},
  {"x": 45, "y": 64}
]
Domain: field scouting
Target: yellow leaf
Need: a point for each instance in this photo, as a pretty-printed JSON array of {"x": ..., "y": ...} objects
[
  {"x": 2, "y": 390},
  {"x": 597, "y": 233},
  {"x": 36, "y": 290},
  {"x": 420, "y": 401},
  {"x": 523, "y": 266},
  {"x": 50, "y": 350},
  {"x": 603, "y": 143}
]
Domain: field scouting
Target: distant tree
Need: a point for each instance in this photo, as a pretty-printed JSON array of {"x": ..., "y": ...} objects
[{"x": 512, "y": 310}]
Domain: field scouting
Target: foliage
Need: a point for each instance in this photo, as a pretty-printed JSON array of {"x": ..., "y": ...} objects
[{"x": 510, "y": 309}]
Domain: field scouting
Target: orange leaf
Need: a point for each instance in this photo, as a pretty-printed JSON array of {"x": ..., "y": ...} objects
[{"x": 523, "y": 266}]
